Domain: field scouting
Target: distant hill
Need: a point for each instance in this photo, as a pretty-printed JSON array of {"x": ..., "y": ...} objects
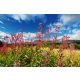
[{"x": 77, "y": 41}]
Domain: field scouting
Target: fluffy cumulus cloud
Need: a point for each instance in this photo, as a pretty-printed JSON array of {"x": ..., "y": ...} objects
[
  {"x": 28, "y": 35},
  {"x": 3, "y": 34},
  {"x": 28, "y": 17},
  {"x": 58, "y": 24},
  {"x": 75, "y": 35},
  {"x": 70, "y": 23},
  {"x": 69, "y": 18},
  {"x": 55, "y": 24},
  {"x": 52, "y": 27},
  {"x": 19, "y": 17}
]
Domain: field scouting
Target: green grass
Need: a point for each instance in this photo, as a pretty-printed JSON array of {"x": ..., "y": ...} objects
[{"x": 43, "y": 57}]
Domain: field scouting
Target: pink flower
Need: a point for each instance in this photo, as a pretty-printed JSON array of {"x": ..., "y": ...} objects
[
  {"x": 57, "y": 28},
  {"x": 40, "y": 27}
]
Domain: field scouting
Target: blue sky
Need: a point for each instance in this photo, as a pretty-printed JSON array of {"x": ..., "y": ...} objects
[{"x": 29, "y": 23}]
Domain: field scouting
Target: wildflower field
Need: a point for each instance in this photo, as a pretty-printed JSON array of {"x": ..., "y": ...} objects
[
  {"x": 39, "y": 57},
  {"x": 41, "y": 53}
]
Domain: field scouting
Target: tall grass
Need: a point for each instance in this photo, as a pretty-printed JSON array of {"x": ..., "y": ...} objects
[{"x": 43, "y": 54}]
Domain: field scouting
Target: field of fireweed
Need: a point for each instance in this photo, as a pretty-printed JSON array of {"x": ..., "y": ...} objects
[{"x": 48, "y": 53}]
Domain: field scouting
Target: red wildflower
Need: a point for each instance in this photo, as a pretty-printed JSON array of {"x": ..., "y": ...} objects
[
  {"x": 40, "y": 27},
  {"x": 57, "y": 28}
]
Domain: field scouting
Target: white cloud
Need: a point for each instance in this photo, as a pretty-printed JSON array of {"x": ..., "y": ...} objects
[
  {"x": 28, "y": 17},
  {"x": 52, "y": 27},
  {"x": 3, "y": 34},
  {"x": 34, "y": 36},
  {"x": 1, "y": 22},
  {"x": 52, "y": 30},
  {"x": 58, "y": 24},
  {"x": 26, "y": 36},
  {"x": 75, "y": 35},
  {"x": 60, "y": 37},
  {"x": 65, "y": 28},
  {"x": 19, "y": 17},
  {"x": 29, "y": 35},
  {"x": 69, "y": 18}
]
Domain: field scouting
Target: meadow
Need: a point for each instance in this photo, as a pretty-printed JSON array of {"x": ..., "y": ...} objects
[
  {"x": 43, "y": 54},
  {"x": 39, "y": 53}
]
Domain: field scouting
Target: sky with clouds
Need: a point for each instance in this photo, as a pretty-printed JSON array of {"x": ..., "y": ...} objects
[{"x": 29, "y": 24}]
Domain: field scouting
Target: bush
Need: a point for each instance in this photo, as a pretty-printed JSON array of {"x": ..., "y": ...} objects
[{"x": 1, "y": 44}]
